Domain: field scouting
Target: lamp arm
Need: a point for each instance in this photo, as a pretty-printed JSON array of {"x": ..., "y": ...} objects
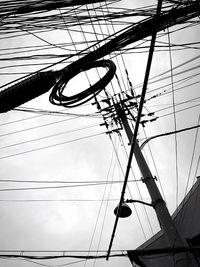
[{"x": 138, "y": 201}]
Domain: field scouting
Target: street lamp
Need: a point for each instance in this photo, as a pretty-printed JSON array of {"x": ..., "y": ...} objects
[{"x": 125, "y": 210}]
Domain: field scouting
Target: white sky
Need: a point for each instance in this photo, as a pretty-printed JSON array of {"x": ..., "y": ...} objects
[{"x": 79, "y": 220}]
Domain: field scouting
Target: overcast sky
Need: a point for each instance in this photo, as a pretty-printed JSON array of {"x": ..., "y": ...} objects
[{"x": 73, "y": 152}]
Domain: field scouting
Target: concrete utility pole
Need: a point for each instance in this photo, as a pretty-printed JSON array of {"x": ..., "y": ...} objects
[{"x": 173, "y": 238}]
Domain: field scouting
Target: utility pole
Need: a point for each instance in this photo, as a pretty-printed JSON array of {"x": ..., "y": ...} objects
[{"x": 172, "y": 236}]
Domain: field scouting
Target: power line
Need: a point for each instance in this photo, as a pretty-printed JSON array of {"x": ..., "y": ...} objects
[
  {"x": 59, "y": 186},
  {"x": 38, "y": 126},
  {"x": 174, "y": 118},
  {"x": 169, "y": 133},
  {"x": 151, "y": 80},
  {"x": 143, "y": 94},
  {"x": 49, "y": 146},
  {"x": 56, "y": 200},
  {"x": 121, "y": 253},
  {"x": 49, "y": 136},
  {"x": 180, "y": 110},
  {"x": 140, "y": 196},
  {"x": 89, "y": 257},
  {"x": 62, "y": 182}
]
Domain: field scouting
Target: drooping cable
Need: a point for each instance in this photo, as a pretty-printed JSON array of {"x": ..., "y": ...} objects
[
  {"x": 135, "y": 208},
  {"x": 49, "y": 146},
  {"x": 175, "y": 120},
  {"x": 58, "y": 98},
  {"x": 192, "y": 159},
  {"x": 168, "y": 133},
  {"x": 100, "y": 209},
  {"x": 148, "y": 67},
  {"x": 140, "y": 196},
  {"x": 47, "y": 136}
]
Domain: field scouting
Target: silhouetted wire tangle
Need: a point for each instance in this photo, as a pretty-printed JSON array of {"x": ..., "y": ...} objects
[{"x": 137, "y": 32}]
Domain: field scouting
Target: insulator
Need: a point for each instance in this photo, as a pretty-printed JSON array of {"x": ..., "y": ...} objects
[
  {"x": 154, "y": 119},
  {"x": 151, "y": 114},
  {"x": 128, "y": 96},
  {"x": 26, "y": 90},
  {"x": 107, "y": 101}
]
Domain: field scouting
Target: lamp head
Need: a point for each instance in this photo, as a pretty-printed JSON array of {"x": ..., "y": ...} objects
[{"x": 124, "y": 212}]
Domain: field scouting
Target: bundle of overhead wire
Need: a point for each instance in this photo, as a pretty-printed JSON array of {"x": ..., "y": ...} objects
[
  {"x": 26, "y": 90},
  {"x": 57, "y": 96}
]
